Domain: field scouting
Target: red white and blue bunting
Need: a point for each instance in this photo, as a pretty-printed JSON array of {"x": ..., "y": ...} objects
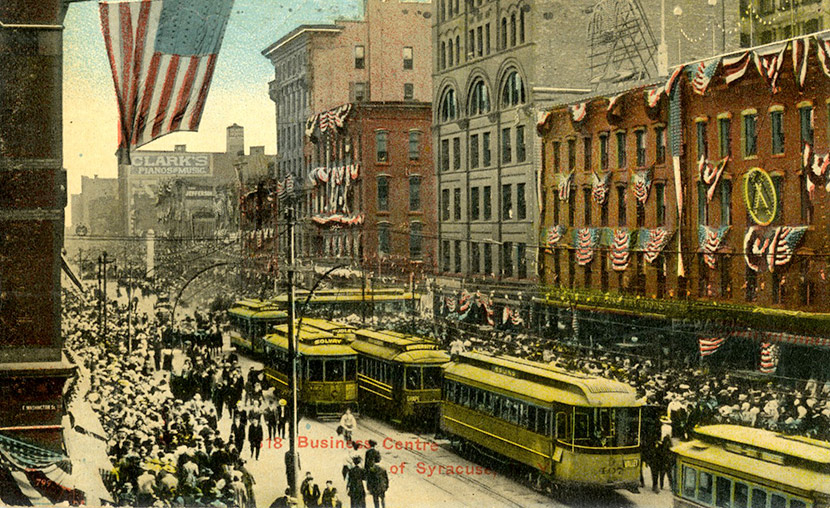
[
  {"x": 652, "y": 242},
  {"x": 822, "y": 49},
  {"x": 710, "y": 174},
  {"x": 585, "y": 241},
  {"x": 774, "y": 246},
  {"x": 702, "y": 73},
  {"x": 510, "y": 316},
  {"x": 769, "y": 62},
  {"x": 328, "y": 120},
  {"x": 600, "y": 186},
  {"x": 621, "y": 249},
  {"x": 487, "y": 303},
  {"x": 653, "y": 96},
  {"x": 337, "y": 173},
  {"x": 563, "y": 185},
  {"x": 710, "y": 240},
  {"x": 769, "y": 358},
  {"x": 815, "y": 166},
  {"x": 339, "y": 219},
  {"x": 709, "y": 345},
  {"x": 801, "y": 50},
  {"x": 578, "y": 111},
  {"x": 641, "y": 181},
  {"x": 555, "y": 234}
]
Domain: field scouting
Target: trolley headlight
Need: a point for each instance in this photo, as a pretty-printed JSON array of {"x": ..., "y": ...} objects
[{"x": 632, "y": 463}]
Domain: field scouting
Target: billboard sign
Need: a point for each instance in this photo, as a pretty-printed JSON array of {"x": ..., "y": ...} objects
[{"x": 167, "y": 164}]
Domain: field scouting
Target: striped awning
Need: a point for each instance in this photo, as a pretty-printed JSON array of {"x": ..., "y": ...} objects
[{"x": 782, "y": 337}]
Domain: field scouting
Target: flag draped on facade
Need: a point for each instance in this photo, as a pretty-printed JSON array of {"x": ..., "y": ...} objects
[
  {"x": 701, "y": 74},
  {"x": 822, "y": 49},
  {"x": 653, "y": 96},
  {"x": 555, "y": 234},
  {"x": 578, "y": 111},
  {"x": 510, "y": 316},
  {"x": 801, "y": 50},
  {"x": 769, "y": 358},
  {"x": 815, "y": 166},
  {"x": 642, "y": 185},
  {"x": 676, "y": 147},
  {"x": 621, "y": 249},
  {"x": 162, "y": 54},
  {"x": 774, "y": 246},
  {"x": 709, "y": 345},
  {"x": 710, "y": 174},
  {"x": 734, "y": 67},
  {"x": 652, "y": 242},
  {"x": 710, "y": 240},
  {"x": 600, "y": 186},
  {"x": 585, "y": 241},
  {"x": 769, "y": 62},
  {"x": 563, "y": 185}
]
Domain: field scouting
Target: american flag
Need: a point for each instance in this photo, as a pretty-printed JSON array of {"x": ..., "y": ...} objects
[
  {"x": 710, "y": 240},
  {"x": 642, "y": 185},
  {"x": 801, "y": 50},
  {"x": 769, "y": 358},
  {"x": 709, "y": 345},
  {"x": 710, "y": 174},
  {"x": 816, "y": 166},
  {"x": 563, "y": 184},
  {"x": 673, "y": 79},
  {"x": 578, "y": 111},
  {"x": 585, "y": 239},
  {"x": 600, "y": 186},
  {"x": 783, "y": 244},
  {"x": 653, "y": 96},
  {"x": 702, "y": 75},
  {"x": 620, "y": 252},
  {"x": 162, "y": 54},
  {"x": 823, "y": 47},
  {"x": 653, "y": 243},
  {"x": 769, "y": 63},
  {"x": 555, "y": 233},
  {"x": 734, "y": 67}
]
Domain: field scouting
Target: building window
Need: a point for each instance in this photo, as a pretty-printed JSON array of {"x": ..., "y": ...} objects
[
  {"x": 522, "y": 26},
  {"x": 805, "y": 116},
  {"x": 725, "y": 202},
  {"x": 603, "y": 151},
  {"x": 660, "y": 144},
  {"x": 586, "y": 152},
  {"x": 383, "y": 238},
  {"x": 603, "y": 214},
  {"x": 513, "y": 29},
  {"x": 456, "y": 153},
  {"x": 521, "y": 202},
  {"x": 750, "y": 135},
  {"x": 507, "y": 259},
  {"x": 487, "y": 38},
  {"x": 414, "y": 193},
  {"x": 407, "y": 57},
  {"x": 487, "y": 202},
  {"x": 641, "y": 214},
  {"x": 571, "y": 268},
  {"x": 702, "y": 141},
  {"x": 571, "y": 154},
  {"x": 456, "y": 213},
  {"x": 586, "y": 202},
  {"x": 445, "y": 155},
  {"x": 488, "y": 258},
  {"x": 475, "y": 258},
  {"x": 474, "y": 204},
  {"x": 777, "y": 288},
  {"x": 640, "y": 141},
  {"x": 479, "y": 99},
  {"x": 408, "y": 91},
  {"x": 621, "y": 162},
  {"x": 473, "y": 151},
  {"x": 506, "y": 202},
  {"x": 445, "y": 256},
  {"x": 450, "y": 54},
  {"x": 506, "y": 153},
  {"x": 660, "y": 197},
  {"x": 359, "y": 57},
  {"x": 751, "y": 284},
  {"x": 485, "y": 149},
  {"x": 479, "y": 41},
  {"x": 806, "y": 202},
  {"x": 449, "y": 105},
  {"x": 557, "y": 160},
  {"x": 383, "y": 194},
  {"x": 806, "y": 286},
  {"x": 513, "y": 90},
  {"x": 380, "y": 146},
  {"x": 702, "y": 204},
  {"x": 778, "y": 182},
  {"x": 724, "y": 137},
  {"x": 521, "y": 258},
  {"x": 443, "y": 55},
  {"x": 725, "y": 275},
  {"x": 360, "y": 92},
  {"x": 503, "y": 33},
  {"x": 457, "y": 49},
  {"x": 415, "y": 236},
  {"x": 777, "y": 127},
  {"x": 457, "y": 256},
  {"x": 414, "y": 145},
  {"x": 445, "y": 205},
  {"x": 521, "y": 154}
]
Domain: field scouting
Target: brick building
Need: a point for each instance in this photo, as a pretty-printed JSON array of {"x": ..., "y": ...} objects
[
  {"x": 373, "y": 190},
  {"x": 765, "y": 21},
  {"x": 95, "y": 206},
  {"x": 753, "y": 229}
]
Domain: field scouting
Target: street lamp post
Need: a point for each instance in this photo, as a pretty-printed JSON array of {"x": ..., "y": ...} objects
[{"x": 291, "y": 461}]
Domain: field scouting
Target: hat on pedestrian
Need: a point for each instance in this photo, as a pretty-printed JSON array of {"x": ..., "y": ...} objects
[{"x": 372, "y": 442}]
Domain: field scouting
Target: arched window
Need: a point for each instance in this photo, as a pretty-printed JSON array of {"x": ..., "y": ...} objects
[
  {"x": 479, "y": 99},
  {"x": 513, "y": 90},
  {"x": 522, "y": 26},
  {"x": 443, "y": 55},
  {"x": 443, "y": 10},
  {"x": 503, "y": 33},
  {"x": 449, "y": 106},
  {"x": 513, "y": 29},
  {"x": 450, "y": 57}
]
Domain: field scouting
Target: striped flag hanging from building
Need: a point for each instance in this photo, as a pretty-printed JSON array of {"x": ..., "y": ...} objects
[
  {"x": 774, "y": 246},
  {"x": 702, "y": 74},
  {"x": 801, "y": 50},
  {"x": 621, "y": 249},
  {"x": 642, "y": 185},
  {"x": 769, "y": 358},
  {"x": 734, "y": 67},
  {"x": 563, "y": 185},
  {"x": 709, "y": 345},
  {"x": 769, "y": 63},
  {"x": 822, "y": 49},
  {"x": 585, "y": 241},
  {"x": 162, "y": 54},
  {"x": 711, "y": 174},
  {"x": 710, "y": 240},
  {"x": 600, "y": 184},
  {"x": 815, "y": 166}
]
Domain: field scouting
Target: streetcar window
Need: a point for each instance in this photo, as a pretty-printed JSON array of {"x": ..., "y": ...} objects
[
  {"x": 334, "y": 370},
  {"x": 397, "y": 374},
  {"x": 777, "y": 501},
  {"x": 542, "y": 421},
  {"x": 759, "y": 498},
  {"x": 384, "y": 372},
  {"x": 704, "y": 487},
  {"x": 741, "y": 495},
  {"x": 432, "y": 378},
  {"x": 462, "y": 395},
  {"x": 530, "y": 422},
  {"x": 723, "y": 496},
  {"x": 449, "y": 391},
  {"x": 315, "y": 370},
  {"x": 523, "y": 415},
  {"x": 413, "y": 378},
  {"x": 689, "y": 482},
  {"x": 351, "y": 370},
  {"x": 581, "y": 428},
  {"x": 562, "y": 427},
  {"x": 487, "y": 405},
  {"x": 625, "y": 426},
  {"x": 796, "y": 503}
]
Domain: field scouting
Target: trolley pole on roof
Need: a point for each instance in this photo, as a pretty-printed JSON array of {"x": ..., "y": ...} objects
[{"x": 292, "y": 459}]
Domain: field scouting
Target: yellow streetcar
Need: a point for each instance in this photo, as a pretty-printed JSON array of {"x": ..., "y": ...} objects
[
  {"x": 250, "y": 321},
  {"x": 561, "y": 427},
  {"x": 326, "y": 368},
  {"x": 399, "y": 375},
  {"x": 337, "y": 329},
  {"x": 732, "y": 466}
]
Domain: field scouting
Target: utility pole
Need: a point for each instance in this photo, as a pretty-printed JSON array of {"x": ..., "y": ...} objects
[{"x": 291, "y": 464}]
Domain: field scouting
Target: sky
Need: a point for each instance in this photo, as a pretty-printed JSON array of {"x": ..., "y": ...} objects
[{"x": 238, "y": 94}]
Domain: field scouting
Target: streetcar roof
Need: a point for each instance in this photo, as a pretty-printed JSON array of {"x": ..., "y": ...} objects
[
  {"x": 540, "y": 381},
  {"x": 750, "y": 459},
  {"x": 328, "y": 326},
  {"x": 749, "y": 438},
  {"x": 398, "y": 347},
  {"x": 310, "y": 342},
  {"x": 257, "y": 309}
]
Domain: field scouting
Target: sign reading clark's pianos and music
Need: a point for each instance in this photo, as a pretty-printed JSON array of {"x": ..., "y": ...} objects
[{"x": 163, "y": 164}]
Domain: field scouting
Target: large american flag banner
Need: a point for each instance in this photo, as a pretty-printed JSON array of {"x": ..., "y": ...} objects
[
  {"x": 585, "y": 241},
  {"x": 162, "y": 54},
  {"x": 710, "y": 240},
  {"x": 774, "y": 246},
  {"x": 563, "y": 185},
  {"x": 769, "y": 63},
  {"x": 709, "y": 345}
]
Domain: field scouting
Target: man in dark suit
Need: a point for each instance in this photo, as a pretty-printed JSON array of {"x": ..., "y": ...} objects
[
  {"x": 255, "y": 438},
  {"x": 372, "y": 455},
  {"x": 310, "y": 491}
]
